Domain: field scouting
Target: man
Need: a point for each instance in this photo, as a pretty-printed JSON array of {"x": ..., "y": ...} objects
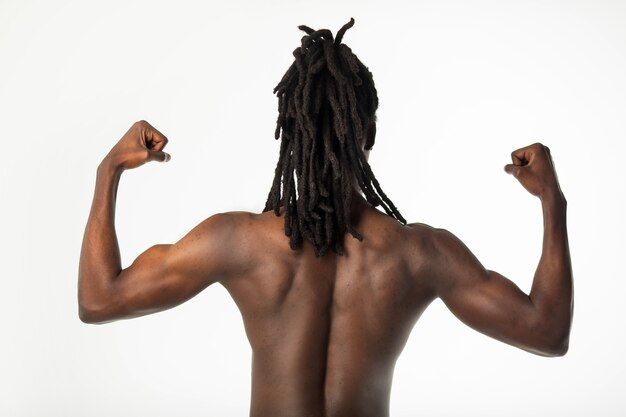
[{"x": 329, "y": 287}]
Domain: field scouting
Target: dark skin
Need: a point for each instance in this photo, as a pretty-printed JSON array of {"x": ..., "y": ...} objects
[{"x": 326, "y": 332}]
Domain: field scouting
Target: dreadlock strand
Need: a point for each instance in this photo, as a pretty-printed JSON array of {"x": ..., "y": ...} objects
[
  {"x": 326, "y": 102},
  {"x": 343, "y": 30},
  {"x": 317, "y": 36},
  {"x": 338, "y": 119},
  {"x": 286, "y": 78},
  {"x": 350, "y": 58},
  {"x": 330, "y": 54},
  {"x": 306, "y": 29},
  {"x": 390, "y": 208}
]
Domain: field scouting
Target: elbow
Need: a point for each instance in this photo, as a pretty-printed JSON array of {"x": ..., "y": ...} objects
[
  {"x": 551, "y": 340},
  {"x": 557, "y": 348},
  {"x": 555, "y": 343},
  {"x": 552, "y": 327},
  {"x": 86, "y": 311},
  {"x": 95, "y": 307},
  {"x": 90, "y": 315},
  {"x": 563, "y": 350},
  {"x": 560, "y": 340},
  {"x": 548, "y": 349},
  {"x": 87, "y": 316}
]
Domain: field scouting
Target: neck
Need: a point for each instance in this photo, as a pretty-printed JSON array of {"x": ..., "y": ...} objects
[{"x": 359, "y": 204}]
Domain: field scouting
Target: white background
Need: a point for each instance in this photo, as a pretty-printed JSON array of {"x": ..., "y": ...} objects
[{"x": 461, "y": 85}]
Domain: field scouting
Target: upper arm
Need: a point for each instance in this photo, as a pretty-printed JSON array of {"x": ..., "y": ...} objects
[
  {"x": 167, "y": 275},
  {"x": 485, "y": 300}
]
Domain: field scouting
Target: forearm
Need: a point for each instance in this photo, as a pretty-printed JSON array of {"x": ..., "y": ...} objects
[
  {"x": 552, "y": 288},
  {"x": 100, "y": 261}
]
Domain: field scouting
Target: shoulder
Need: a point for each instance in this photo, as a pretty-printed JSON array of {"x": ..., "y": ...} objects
[
  {"x": 424, "y": 237},
  {"x": 231, "y": 218},
  {"x": 440, "y": 256},
  {"x": 250, "y": 234},
  {"x": 223, "y": 240},
  {"x": 226, "y": 224},
  {"x": 440, "y": 242}
]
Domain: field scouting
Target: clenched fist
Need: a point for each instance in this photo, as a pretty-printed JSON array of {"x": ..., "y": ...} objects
[
  {"x": 534, "y": 169},
  {"x": 142, "y": 143}
]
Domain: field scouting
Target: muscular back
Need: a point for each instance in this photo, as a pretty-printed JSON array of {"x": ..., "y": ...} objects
[{"x": 326, "y": 331}]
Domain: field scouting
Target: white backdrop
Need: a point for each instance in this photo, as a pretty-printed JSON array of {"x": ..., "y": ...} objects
[{"x": 461, "y": 85}]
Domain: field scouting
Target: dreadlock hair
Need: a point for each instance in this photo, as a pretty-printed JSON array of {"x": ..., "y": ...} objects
[{"x": 326, "y": 103}]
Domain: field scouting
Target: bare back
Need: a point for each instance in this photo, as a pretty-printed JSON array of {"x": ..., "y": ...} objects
[{"x": 326, "y": 331}]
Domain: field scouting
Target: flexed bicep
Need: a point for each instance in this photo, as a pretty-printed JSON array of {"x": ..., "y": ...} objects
[
  {"x": 160, "y": 278},
  {"x": 165, "y": 276},
  {"x": 486, "y": 300}
]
